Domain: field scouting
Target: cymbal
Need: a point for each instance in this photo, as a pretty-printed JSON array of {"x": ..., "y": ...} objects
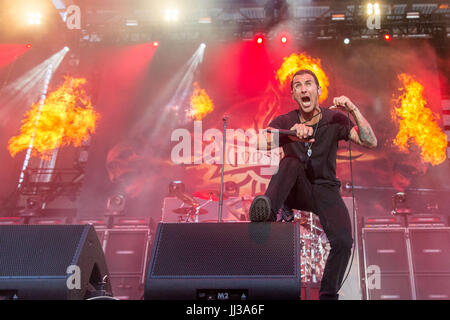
[
  {"x": 209, "y": 194},
  {"x": 187, "y": 210},
  {"x": 223, "y": 220},
  {"x": 187, "y": 199}
]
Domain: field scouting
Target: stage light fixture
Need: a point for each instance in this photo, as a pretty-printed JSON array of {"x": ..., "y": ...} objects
[
  {"x": 373, "y": 8},
  {"x": 283, "y": 39},
  {"x": 34, "y": 18},
  {"x": 413, "y": 15},
  {"x": 28, "y": 46},
  {"x": 346, "y": 40},
  {"x": 155, "y": 43},
  {"x": 171, "y": 15},
  {"x": 338, "y": 16},
  {"x": 176, "y": 187},
  {"x": 387, "y": 37},
  {"x": 115, "y": 205},
  {"x": 202, "y": 46},
  {"x": 205, "y": 20},
  {"x": 131, "y": 23},
  {"x": 259, "y": 39}
]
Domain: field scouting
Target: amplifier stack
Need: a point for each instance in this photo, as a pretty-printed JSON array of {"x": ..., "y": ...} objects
[
  {"x": 126, "y": 243},
  {"x": 406, "y": 257}
]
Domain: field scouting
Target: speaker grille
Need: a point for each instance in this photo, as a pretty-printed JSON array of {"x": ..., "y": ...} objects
[
  {"x": 386, "y": 248},
  {"x": 31, "y": 250},
  {"x": 225, "y": 249},
  {"x": 430, "y": 250}
]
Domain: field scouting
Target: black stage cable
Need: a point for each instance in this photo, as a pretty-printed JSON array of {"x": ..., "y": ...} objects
[{"x": 354, "y": 209}]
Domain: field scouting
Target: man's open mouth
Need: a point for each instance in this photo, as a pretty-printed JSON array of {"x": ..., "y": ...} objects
[{"x": 306, "y": 99}]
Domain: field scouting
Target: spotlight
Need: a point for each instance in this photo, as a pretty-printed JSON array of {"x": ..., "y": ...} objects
[
  {"x": 176, "y": 187},
  {"x": 346, "y": 40},
  {"x": 373, "y": 9},
  {"x": 28, "y": 46},
  {"x": 155, "y": 43},
  {"x": 32, "y": 208},
  {"x": 34, "y": 18},
  {"x": 115, "y": 204},
  {"x": 66, "y": 49},
  {"x": 387, "y": 37},
  {"x": 400, "y": 204},
  {"x": 283, "y": 39},
  {"x": 171, "y": 15},
  {"x": 259, "y": 39},
  {"x": 202, "y": 46}
]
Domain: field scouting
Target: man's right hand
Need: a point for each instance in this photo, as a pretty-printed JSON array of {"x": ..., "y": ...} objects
[{"x": 303, "y": 132}]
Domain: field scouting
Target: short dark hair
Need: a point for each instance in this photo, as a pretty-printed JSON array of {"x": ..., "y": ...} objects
[{"x": 303, "y": 71}]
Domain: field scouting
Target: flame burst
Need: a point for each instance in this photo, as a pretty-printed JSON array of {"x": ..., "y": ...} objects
[
  {"x": 417, "y": 123},
  {"x": 296, "y": 62},
  {"x": 201, "y": 104},
  {"x": 66, "y": 117}
]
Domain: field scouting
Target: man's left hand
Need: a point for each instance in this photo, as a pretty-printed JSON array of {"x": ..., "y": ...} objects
[{"x": 343, "y": 103}]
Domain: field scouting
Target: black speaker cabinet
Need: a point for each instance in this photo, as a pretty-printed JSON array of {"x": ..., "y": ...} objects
[
  {"x": 234, "y": 260},
  {"x": 50, "y": 262},
  {"x": 430, "y": 250},
  {"x": 387, "y": 264},
  {"x": 392, "y": 287},
  {"x": 386, "y": 249}
]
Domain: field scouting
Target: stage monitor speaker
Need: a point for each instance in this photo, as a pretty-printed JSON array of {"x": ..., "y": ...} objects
[
  {"x": 51, "y": 262},
  {"x": 229, "y": 261}
]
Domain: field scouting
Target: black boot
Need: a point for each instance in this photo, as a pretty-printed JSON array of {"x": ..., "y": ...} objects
[{"x": 260, "y": 209}]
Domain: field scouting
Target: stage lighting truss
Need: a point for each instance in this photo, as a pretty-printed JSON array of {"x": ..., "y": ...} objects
[
  {"x": 63, "y": 182},
  {"x": 324, "y": 21}
]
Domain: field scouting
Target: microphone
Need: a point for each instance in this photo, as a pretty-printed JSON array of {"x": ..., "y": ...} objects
[
  {"x": 287, "y": 132},
  {"x": 283, "y": 131}
]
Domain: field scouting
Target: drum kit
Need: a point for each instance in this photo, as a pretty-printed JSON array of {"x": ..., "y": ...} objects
[
  {"x": 193, "y": 209},
  {"x": 315, "y": 247}
]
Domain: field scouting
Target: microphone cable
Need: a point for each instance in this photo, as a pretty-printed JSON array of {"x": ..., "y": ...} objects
[{"x": 355, "y": 243}]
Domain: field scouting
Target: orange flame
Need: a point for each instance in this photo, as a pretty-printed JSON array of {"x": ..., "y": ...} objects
[
  {"x": 66, "y": 117},
  {"x": 296, "y": 62},
  {"x": 201, "y": 104},
  {"x": 417, "y": 123}
]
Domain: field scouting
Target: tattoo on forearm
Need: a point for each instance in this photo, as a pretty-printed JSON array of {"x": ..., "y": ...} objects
[{"x": 365, "y": 132}]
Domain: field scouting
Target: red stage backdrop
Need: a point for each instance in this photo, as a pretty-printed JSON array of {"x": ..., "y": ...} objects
[{"x": 143, "y": 94}]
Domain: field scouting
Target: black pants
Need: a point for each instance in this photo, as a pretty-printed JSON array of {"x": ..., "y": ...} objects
[{"x": 291, "y": 187}]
